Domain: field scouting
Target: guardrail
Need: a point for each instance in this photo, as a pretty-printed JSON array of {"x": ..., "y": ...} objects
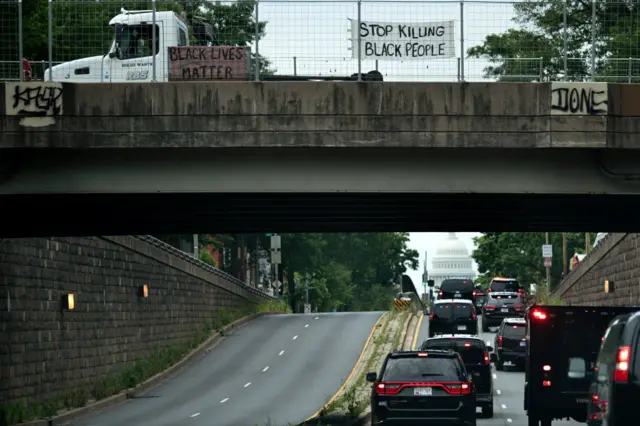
[{"x": 197, "y": 262}]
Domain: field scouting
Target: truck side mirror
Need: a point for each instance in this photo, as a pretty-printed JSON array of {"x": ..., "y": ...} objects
[{"x": 371, "y": 377}]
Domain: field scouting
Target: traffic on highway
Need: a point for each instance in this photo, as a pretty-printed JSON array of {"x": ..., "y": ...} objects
[{"x": 533, "y": 366}]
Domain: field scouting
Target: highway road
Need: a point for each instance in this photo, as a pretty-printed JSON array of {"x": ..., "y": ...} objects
[
  {"x": 508, "y": 398},
  {"x": 275, "y": 370}
]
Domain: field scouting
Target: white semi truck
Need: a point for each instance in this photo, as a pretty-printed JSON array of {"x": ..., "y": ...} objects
[{"x": 129, "y": 58}]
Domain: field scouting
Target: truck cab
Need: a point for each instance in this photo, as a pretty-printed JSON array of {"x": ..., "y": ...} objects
[{"x": 130, "y": 57}]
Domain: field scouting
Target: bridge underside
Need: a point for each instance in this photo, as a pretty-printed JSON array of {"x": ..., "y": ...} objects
[{"x": 92, "y": 192}]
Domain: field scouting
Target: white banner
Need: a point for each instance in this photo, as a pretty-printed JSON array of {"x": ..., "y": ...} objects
[{"x": 402, "y": 42}]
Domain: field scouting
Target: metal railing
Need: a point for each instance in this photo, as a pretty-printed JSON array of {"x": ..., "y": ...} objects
[
  {"x": 197, "y": 262},
  {"x": 480, "y": 40}
]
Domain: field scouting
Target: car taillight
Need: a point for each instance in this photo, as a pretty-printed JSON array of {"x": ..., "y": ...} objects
[
  {"x": 440, "y": 292},
  {"x": 538, "y": 314},
  {"x": 431, "y": 315},
  {"x": 519, "y": 308},
  {"x": 487, "y": 361},
  {"x": 489, "y": 307},
  {"x": 499, "y": 341},
  {"x": 388, "y": 388},
  {"x": 546, "y": 367},
  {"x": 473, "y": 315},
  {"x": 457, "y": 388},
  {"x": 546, "y": 383},
  {"x": 622, "y": 364}
]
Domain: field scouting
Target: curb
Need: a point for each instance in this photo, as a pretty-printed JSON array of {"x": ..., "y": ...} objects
[{"x": 148, "y": 384}]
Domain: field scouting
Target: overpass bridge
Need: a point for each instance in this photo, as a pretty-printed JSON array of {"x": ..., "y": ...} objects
[{"x": 302, "y": 156}]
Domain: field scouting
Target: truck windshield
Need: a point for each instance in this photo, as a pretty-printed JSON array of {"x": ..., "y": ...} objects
[{"x": 134, "y": 41}]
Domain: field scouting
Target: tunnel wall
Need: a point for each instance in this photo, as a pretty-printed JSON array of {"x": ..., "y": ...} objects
[
  {"x": 616, "y": 258},
  {"x": 45, "y": 353}
]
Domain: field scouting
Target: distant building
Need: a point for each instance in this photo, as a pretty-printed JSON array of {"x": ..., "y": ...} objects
[{"x": 452, "y": 260}]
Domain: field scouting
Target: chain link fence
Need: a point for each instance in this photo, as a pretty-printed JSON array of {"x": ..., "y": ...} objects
[{"x": 109, "y": 41}]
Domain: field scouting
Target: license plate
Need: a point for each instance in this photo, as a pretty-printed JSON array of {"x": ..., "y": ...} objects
[
  {"x": 457, "y": 296},
  {"x": 505, "y": 309},
  {"x": 462, "y": 327},
  {"x": 422, "y": 391},
  {"x": 523, "y": 343}
]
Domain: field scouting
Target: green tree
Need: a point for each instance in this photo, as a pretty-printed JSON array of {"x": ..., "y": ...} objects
[
  {"x": 517, "y": 54},
  {"x": 519, "y": 254},
  {"x": 81, "y": 28}
]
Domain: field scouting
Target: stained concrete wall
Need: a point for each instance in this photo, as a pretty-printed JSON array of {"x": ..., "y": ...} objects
[
  {"x": 45, "y": 353},
  {"x": 617, "y": 259},
  {"x": 320, "y": 114}
]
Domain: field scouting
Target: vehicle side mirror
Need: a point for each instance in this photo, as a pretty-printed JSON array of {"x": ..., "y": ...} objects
[
  {"x": 371, "y": 377},
  {"x": 493, "y": 357},
  {"x": 489, "y": 348},
  {"x": 577, "y": 368}
]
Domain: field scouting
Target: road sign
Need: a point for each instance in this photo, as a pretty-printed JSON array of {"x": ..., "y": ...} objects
[
  {"x": 547, "y": 250},
  {"x": 307, "y": 308},
  {"x": 276, "y": 257},
  {"x": 547, "y": 262},
  {"x": 275, "y": 242}
]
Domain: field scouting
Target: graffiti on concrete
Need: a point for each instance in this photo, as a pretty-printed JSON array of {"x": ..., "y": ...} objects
[
  {"x": 34, "y": 99},
  {"x": 579, "y": 98}
]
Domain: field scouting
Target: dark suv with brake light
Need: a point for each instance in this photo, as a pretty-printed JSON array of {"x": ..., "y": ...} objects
[
  {"x": 415, "y": 388},
  {"x": 453, "y": 317},
  {"x": 506, "y": 285},
  {"x": 615, "y": 383},
  {"x": 476, "y": 359},
  {"x": 455, "y": 288},
  {"x": 510, "y": 342},
  {"x": 562, "y": 349},
  {"x": 500, "y": 306}
]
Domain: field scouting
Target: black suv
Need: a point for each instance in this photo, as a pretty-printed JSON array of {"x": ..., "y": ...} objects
[
  {"x": 505, "y": 285},
  {"x": 453, "y": 317},
  {"x": 455, "y": 288},
  {"x": 475, "y": 356},
  {"x": 510, "y": 342},
  {"x": 419, "y": 387},
  {"x": 501, "y": 305},
  {"x": 615, "y": 384}
]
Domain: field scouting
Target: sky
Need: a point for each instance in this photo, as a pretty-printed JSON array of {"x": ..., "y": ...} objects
[{"x": 429, "y": 242}]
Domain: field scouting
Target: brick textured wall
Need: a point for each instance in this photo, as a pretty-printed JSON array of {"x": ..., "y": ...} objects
[
  {"x": 44, "y": 352},
  {"x": 616, "y": 258}
]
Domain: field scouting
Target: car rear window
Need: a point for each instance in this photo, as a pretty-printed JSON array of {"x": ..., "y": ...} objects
[
  {"x": 457, "y": 285},
  {"x": 422, "y": 369},
  {"x": 453, "y": 310},
  {"x": 514, "y": 331},
  {"x": 505, "y": 286},
  {"x": 471, "y": 352}
]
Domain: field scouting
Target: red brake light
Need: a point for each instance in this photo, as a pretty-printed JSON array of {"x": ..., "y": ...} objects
[
  {"x": 539, "y": 314},
  {"x": 395, "y": 388},
  {"x": 486, "y": 358},
  {"x": 546, "y": 367},
  {"x": 622, "y": 364},
  {"x": 467, "y": 345},
  {"x": 473, "y": 315},
  {"x": 546, "y": 383},
  {"x": 499, "y": 341},
  {"x": 423, "y": 354},
  {"x": 431, "y": 315}
]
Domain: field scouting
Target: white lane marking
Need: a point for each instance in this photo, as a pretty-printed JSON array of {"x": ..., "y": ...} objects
[
  {"x": 295, "y": 337},
  {"x": 265, "y": 369},
  {"x": 247, "y": 385},
  {"x": 281, "y": 352},
  {"x": 224, "y": 400},
  {"x": 195, "y": 415},
  {"x": 509, "y": 420},
  {"x": 495, "y": 376},
  {"x": 504, "y": 407},
  {"x": 498, "y": 391},
  {"x": 316, "y": 318},
  {"x": 306, "y": 325}
]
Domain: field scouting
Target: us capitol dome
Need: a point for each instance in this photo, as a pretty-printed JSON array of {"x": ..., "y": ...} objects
[{"x": 452, "y": 260}]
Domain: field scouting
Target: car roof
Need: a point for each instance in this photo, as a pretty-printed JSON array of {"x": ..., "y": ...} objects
[
  {"x": 453, "y": 301},
  {"x": 411, "y": 354},
  {"x": 515, "y": 320},
  {"x": 457, "y": 336},
  {"x": 503, "y": 293}
]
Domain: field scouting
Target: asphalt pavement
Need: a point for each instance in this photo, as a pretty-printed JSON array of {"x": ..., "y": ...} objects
[
  {"x": 508, "y": 398},
  {"x": 276, "y": 370}
]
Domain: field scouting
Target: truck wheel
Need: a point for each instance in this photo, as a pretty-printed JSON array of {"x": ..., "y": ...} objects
[
  {"x": 532, "y": 421},
  {"x": 545, "y": 422}
]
